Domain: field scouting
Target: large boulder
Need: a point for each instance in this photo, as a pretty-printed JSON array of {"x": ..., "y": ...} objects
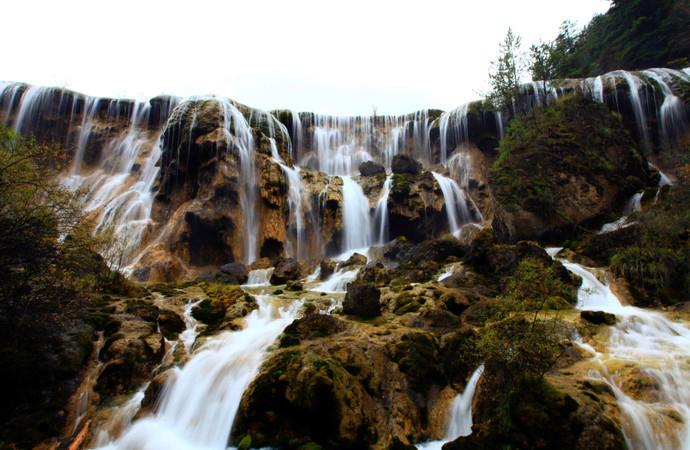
[
  {"x": 562, "y": 167},
  {"x": 416, "y": 207},
  {"x": 355, "y": 260},
  {"x": 287, "y": 269},
  {"x": 234, "y": 273},
  {"x": 362, "y": 299},
  {"x": 313, "y": 325},
  {"x": 327, "y": 267},
  {"x": 598, "y": 317},
  {"x": 370, "y": 168},
  {"x": 231, "y": 273},
  {"x": 405, "y": 164}
]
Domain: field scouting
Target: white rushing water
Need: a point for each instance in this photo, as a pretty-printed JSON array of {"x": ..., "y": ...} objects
[
  {"x": 634, "y": 86},
  {"x": 239, "y": 134},
  {"x": 259, "y": 277},
  {"x": 190, "y": 332},
  {"x": 453, "y": 125},
  {"x": 456, "y": 203},
  {"x": 356, "y": 219},
  {"x": 295, "y": 246},
  {"x": 634, "y": 205},
  {"x": 672, "y": 111},
  {"x": 381, "y": 213},
  {"x": 199, "y": 403},
  {"x": 660, "y": 347},
  {"x": 460, "y": 415}
]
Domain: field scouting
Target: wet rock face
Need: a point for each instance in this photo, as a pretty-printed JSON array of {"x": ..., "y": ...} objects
[
  {"x": 327, "y": 267},
  {"x": 224, "y": 305},
  {"x": 202, "y": 187},
  {"x": 310, "y": 326},
  {"x": 362, "y": 299},
  {"x": 598, "y": 317},
  {"x": 287, "y": 269},
  {"x": 416, "y": 207},
  {"x": 231, "y": 273},
  {"x": 403, "y": 164},
  {"x": 370, "y": 168},
  {"x": 554, "y": 415},
  {"x": 548, "y": 185},
  {"x": 340, "y": 391},
  {"x": 355, "y": 260},
  {"x": 133, "y": 345}
]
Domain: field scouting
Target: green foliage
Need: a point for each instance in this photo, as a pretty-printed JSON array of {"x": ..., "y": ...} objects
[
  {"x": 523, "y": 350},
  {"x": 49, "y": 270},
  {"x": 633, "y": 34},
  {"x": 535, "y": 286},
  {"x": 506, "y": 71},
  {"x": 570, "y": 137},
  {"x": 658, "y": 264},
  {"x": 542, "y": 65}
]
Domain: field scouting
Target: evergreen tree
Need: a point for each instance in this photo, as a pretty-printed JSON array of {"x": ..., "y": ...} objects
[
  {"x": 541, "y": 65},
  {"x": 506, "y": 73}
]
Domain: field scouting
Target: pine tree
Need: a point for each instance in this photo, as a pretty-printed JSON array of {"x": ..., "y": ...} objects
[
  {"x": 506, "y": 72},
  {"x": 541, "y": 66}
]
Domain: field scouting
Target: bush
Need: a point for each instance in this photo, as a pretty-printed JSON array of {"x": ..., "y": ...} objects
[{"x": 49, "y": 270}]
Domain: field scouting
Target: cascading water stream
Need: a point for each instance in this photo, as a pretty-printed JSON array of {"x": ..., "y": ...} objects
[
  {"x": 460, "y": 414},
  {"x": 455, "y": 200},
  {"x": 238, "y": 133},
  {"x": 661, "y": 348},
  {"x": 453, "y": 122},
  {"x": 634, "y": 206},
  {"x": 672, "y": 111},
  {"x": 259, "y": 277},
  {"x": 381, "y": 213},
  {"x": 294, "y": 197},
  {"x": 356, "y": 220},
  {"x": 634, "y": 86},
  {"x": 199, "y": 403}
]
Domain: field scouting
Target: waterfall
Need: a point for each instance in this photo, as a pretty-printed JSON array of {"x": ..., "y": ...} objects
[
  {"x": 634, "y": 205},
  {"x": 421, "y": 135},
  {"x": 296, "y": 136},
  {"x": 90, "y": 110},
  {"x": 9, "y": 95},
  {"x": 660, "y": 347},
  {"x": 294, "y": 197},
  {"x": 634, "y": 85},
  {"x": 455, "y": 201},
  {"x": 337, "y": 282},
  {"x": 342, "y": 143},
  {"x": 381, "y": 213},
  {"x": 190, "y": 332},
  {"x": 393, "y": 146},
  {"x": 29, "y": 106},
  {"x": 356, "y": 221},
  {"x": 259, "y": 277},
  {"x": 455, "y": 122},
  {"x": 460, "y": 414},
  {"x": 295, "y": 206},
  {"x": 199, "y": 404},
  {"x": 593, "y": 88},
  {"x": 460, "y": 423},
  {"x": 672, "y": 111},
  {"x": 238, "y": 133},
  {"x": 499, "y": 124}
]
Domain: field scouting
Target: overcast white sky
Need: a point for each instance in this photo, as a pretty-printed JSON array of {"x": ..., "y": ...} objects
[{"x": 337, "y": 57}]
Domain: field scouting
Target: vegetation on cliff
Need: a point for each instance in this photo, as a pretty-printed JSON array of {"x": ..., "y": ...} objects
[
  {"x": 50, "y": 271},
  {"x": 653, "y": 254},
  {"x": 563, "y": 165}
]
